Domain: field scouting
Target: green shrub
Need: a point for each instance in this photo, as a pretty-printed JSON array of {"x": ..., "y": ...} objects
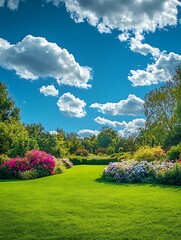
[
  {"x": 149, "y": 154},
  {"x": 82, "y": 152},
  {"x": 3, "y": 158},
  {"x": 125, "y": 156},
  {"x": 175, "y": 152},
  {"x": 76, "y": 160},
  {"x": 59, "y": 167},
  {"x": 110, "y": 150},
  {"x": 170, "y": 176},
  {"x": 101, "y": 161},
  {"x": 92, "y": 161},
  {"x": 28, "y": 174}
]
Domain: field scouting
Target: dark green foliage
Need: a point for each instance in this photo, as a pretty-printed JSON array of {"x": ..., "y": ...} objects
[
  {"x": 106, "y": 137},
  {"x": 8, "y": 110},
  {"x": 171, "y": 176},
  {"x": 163, "y": 114},
  {"x": 74, "y": 142},
  {"x": 50, "y": 143},
  {"x": 92, "y": 161},
  {"x": 101, "y": 161},
  {"x": 76, "y": 160}
]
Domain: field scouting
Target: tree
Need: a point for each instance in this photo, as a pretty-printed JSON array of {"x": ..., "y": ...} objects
[
  {"x": 14, "y": 139},
  {"x": 7, "y": 106},
  {"x": 163, "y": 112},
  {"x": 50, "y": 143},
  {"x": 160, "y": 106},
  {"x": 90, "y": 143},
  {"x": 106, "y": 137},
  {"x": 62, "y": 144},
  {"x": 74, "y": 142},
  {"x": 130, "y": 144},
  {"x": 175, "y": 138}
]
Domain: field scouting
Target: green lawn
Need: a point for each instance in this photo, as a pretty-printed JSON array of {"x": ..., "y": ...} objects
[{"x": 77, "y": 205}]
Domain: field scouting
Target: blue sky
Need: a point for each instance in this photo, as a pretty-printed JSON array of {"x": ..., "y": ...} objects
[{"x": 81, "y": 65}]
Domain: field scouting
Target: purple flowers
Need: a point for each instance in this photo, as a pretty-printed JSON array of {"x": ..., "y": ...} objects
[{"x": 134, "y": 171}]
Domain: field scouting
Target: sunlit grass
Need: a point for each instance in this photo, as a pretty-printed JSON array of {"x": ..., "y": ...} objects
[{"x": 78, "y": 205}]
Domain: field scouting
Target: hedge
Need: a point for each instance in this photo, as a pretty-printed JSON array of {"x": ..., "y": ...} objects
[{"x": 92, "y": 161}]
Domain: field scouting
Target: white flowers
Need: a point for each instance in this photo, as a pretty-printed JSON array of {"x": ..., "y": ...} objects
[{"x": 134, "y": 171}]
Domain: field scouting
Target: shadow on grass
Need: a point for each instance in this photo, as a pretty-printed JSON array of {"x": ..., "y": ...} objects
[
  {"x": 25, "y": 180},
  {"x": 10, "y": 180},
  {"x": 101, "y": 180}
]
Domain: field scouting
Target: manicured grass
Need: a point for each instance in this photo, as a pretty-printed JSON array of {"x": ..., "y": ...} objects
[{"x": 76, "y": 206}]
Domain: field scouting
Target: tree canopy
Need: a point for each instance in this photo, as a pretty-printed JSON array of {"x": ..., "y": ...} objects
[{"x": 7, "y": 105}]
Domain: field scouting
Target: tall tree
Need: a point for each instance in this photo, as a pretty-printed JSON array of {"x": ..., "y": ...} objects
[
  {"x": 7, "y": 106},
  {"x": 162, "y": 110},
  {"x": 14, "y": 139},
  {"x": 74, "y": 142},
  {"x": 106, "y": 137}
]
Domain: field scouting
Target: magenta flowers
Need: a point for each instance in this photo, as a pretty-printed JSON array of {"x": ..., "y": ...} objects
[{"x": 34, "y": 160}]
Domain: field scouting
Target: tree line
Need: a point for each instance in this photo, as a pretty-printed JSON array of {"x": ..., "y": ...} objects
[{"x": 163, "y": 128}]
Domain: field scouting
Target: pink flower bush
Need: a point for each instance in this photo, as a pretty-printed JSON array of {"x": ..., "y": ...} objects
[
  {"x": 40, "y": 161},
  {"x": 43, "y": 162}
]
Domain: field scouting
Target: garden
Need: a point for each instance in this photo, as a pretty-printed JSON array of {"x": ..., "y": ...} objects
[
  {"x": 44, "y": 197},
  {"x": 61, "y": 186}
]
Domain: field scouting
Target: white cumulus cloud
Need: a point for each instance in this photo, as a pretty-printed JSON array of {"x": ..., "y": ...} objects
[
  {"x": 123, "y": 15},
  {"x": 127, "y": 128},
  {"x": 11, "y": 4},
  {"x": 104, "y": 121},
  {"x": 88, "y": 133},
  {"x": 131, "y": 106},
  {"x": 71, "y": 106},
  {"x": 136, "y": 45},
  {"x": 161, "y": 70},
  {"x": 49, "y": 90},
  {"x": 35, "y": 57},
  {"x": 132, "y": 19}
]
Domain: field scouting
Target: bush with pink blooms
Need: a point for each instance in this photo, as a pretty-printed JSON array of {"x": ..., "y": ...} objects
[{"x": 34, "y": 161}]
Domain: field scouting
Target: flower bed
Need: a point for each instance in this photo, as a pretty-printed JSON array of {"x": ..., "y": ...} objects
[
  {"x": 35, "y": 164},
  {"x": 136, "y": 172}
]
